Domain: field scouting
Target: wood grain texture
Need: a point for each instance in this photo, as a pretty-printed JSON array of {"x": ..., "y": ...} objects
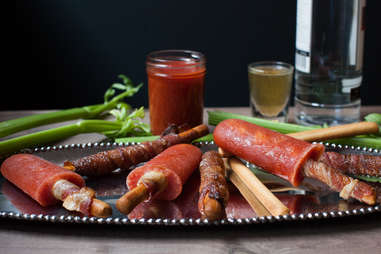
[{"x": 343, "y": 235}]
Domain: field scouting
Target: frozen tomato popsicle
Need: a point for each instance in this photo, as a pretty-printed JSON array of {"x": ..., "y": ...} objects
[
  {"x": 48, "y": 184},
  {"x": 287, "y": 157},
  {"x": 161, "y": 178}
]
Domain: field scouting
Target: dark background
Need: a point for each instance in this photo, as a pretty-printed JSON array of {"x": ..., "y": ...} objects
[{"x": 67, "y": 53}]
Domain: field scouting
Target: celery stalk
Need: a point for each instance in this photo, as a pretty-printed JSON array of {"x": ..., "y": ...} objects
[
  {"x": 208, "y": 137},
  {"x": 125, "y": 124},
  {"x": 373, "y": 179},
  {"x": 88, "y": 112},
  {"x": 215, "y": 117},
  {"x": 136, "y": 139},
  {"x": 15, "y": 125},
  {"x": 47, "y": 136}
]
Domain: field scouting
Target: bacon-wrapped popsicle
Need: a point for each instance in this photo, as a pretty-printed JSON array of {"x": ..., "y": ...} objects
[
  {"x": 48, "y": 183},
  {"x": 162, "y": 177},
  {"x": 354, "y": 164},
  {"x": 287, "y": 157},
  {"x": 124, "y": 157},
  {"x": 214, "y": 193}
]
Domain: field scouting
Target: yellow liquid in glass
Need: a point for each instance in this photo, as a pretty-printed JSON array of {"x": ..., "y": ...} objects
[{"x": 270, "y": 88}]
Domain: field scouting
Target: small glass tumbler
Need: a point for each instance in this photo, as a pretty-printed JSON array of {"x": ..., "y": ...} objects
[{"x": 270, "y": 87}]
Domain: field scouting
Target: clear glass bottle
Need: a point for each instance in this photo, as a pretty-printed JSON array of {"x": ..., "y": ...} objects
[{"x": 328, "y": 61}]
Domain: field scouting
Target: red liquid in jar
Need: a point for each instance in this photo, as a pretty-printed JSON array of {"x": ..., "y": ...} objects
[{"x": 176, "y": 94}]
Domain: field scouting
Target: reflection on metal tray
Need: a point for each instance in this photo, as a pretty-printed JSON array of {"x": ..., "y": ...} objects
[{"x": 182, "y": 211}]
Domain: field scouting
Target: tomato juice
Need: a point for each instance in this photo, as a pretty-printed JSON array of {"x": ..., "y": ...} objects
[{"x": 175, "y": 88}]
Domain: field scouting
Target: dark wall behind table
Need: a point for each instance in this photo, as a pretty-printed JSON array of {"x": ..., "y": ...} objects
[{"x": 68, "y": 52}]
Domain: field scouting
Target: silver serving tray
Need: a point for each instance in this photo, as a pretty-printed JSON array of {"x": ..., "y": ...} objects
[{"x": 14, "y": 204}]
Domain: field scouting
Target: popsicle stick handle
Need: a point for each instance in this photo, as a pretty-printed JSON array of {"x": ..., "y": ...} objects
[
  {"x": 257, "y": 188},
  {"x": 224, "y": 154},
  {"x": 195, "y": 132},
  {"x": 340, "y": 131},
  {"x": 100, "y": 208},
  {"x": 68, "y": 165},
  {"x": 151, "y": 183},
  {"x": 131, "y": 199}
]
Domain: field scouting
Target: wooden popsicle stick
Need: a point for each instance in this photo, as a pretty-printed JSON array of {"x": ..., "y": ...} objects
[
  {"x": 275, "y": 186},
  {"x": 224, "y": 154},
  {"x": 250, "y": 193},
  {"x": 100, "y": 208},
  {"x": 198, "y": 131},
  {"x": 250, "y": 197},
  {"x": 151, "y": 183},
  {"x": 131, "y": 199},
  {"x": 262, "y": 193},
  {"x": 340, "y": 131},
  {"x": 68, "y": 165},
  {"x": 283, "y": 189}
]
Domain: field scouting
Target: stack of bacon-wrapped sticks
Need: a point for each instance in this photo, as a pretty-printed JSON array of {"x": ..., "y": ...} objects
[{"x": 170, "y": 162}]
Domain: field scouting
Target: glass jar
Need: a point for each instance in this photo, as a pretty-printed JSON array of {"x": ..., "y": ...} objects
[{"x": 175, "y": 88}]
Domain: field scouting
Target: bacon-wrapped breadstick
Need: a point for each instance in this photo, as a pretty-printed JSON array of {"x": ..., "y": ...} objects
[
  {"x": 354, "y": 164},
  {"x": 287, "y": 157},
  {"x": 214, "y": 193},
  {"x": 48, "y": 183},
  {"x": 162, "y": 177},
  {"x": 124, "y": 157}
]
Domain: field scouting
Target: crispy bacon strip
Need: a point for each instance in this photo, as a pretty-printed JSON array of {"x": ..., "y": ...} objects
[
  {"x": 124, "y": 157},
  {"x": 214, "y": 193},
  {"x": 79, "y": 199},
  {"x": 347, "y": 186},
  {"x": 354, "y": 164},
  {"x": 63, "y": 188}
]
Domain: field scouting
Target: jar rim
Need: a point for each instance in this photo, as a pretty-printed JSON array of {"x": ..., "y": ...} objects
[{"x": 183, "y": 58}]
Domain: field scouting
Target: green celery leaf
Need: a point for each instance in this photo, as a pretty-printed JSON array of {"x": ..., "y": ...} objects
[
  {"x": 108, "y": 94},
  {"x": 373, "y": 117},
  {"x": 126, "y": 80},
  {"x": 373, "y": 179},
  {"x": 119, "y": 86},
  {"x": 131, "y": 124}
]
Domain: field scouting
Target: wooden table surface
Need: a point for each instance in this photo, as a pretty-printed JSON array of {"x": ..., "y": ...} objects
[{"x": 360, "y": 234}]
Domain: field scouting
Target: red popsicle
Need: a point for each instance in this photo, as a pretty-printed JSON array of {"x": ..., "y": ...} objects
[
  {"x": 277, "y": 153},
  {"x": 36, "y": 176},
  {"x": 287, "y": 157},
  {"x": 48, "y": 183},
  {"x": 162, "y": 177}
]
